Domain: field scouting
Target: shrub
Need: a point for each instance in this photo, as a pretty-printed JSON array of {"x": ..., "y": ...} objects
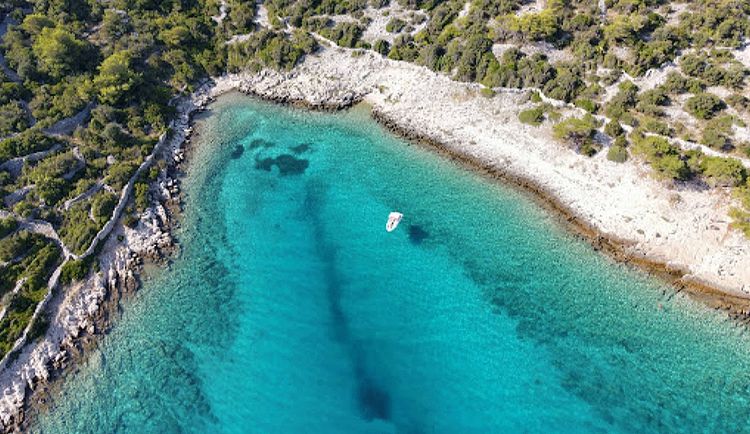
[
  {"x": 74, "y": 270},
  {"x": 617, "y": 153},
  {"x": 77, "y": 229},
  {"x": 381, "y": 47},
  {"x": 273, "y": 49},
  {"x": 535, "y": 26},
  {"x": 586, "y": 104},
  {"x": 734, "y": 76},
  {"x": 663, "y": 157},
  {"x": 12, "y": 118},
  {"x": 740, "y": 220},
  {"x": 565, "y": 86},
  {"x": 743, "y": 194},
  {"x": 676, "y": 83},
  {"x": 717, "y": 132},
  {"x": 656, "y": 126},
  {"x": 141, "y": 196},
  {"x": 625, "y": 99},
  {"x": 66, "y": 98},
  {"x": 696, "y": 86},
  {"x": 655, "y": 96},
  {"x": 704, "y": 105},
  {"x": 475, "y": 59},
  {"x": 724, "y": 172},
  {"x": 533, "y": 116},
  {"x": 613, "y": 129},
  {"x": 578, "y": 131},
  {"x": 395, "y": 25},
  {"x": 24, "y": 209},
  {"x": 102, "y": 206},
  {"x": 671, "y": 166},
  {"x": 693, "y": 65},
  {"x": 7, "y": 225},
  {"x": 515, "y": 69},
  {"x": 714, "y": 139},
  {"x": 51, "y": 190},
  {"x": 130, "y": 219},
  {"x": 38, "y": 328},
  {"x": 25, "y": 143},
  {"x": 738, "y": 102},
  {"x": 16, "y": 245},
  {"x": 344, "y": 34},
  {"x": 119, "y": 174}
]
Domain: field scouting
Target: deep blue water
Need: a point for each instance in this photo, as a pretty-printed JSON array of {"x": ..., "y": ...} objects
[{"x": 292, "y": 310}]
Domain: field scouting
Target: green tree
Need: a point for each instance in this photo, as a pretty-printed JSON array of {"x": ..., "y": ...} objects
[
  {"x": 7, "y": 225},
  {"x": 51, "y": 190},
  {"x": 704, "y": 105},
  {"x": 59, "y": 52},
  {"x": 617, "y": 153},
  {"x": 33, "y": 24},
  {"x": 579, "y": 132},
  {"x": 663, "y": 156},
  {"x": 613, "y": 129},
  {"x": 13, "y": 118},
  {"x": 395, "y": 25},
  {"x": 116, "y": 80},
  {"x": 539, "y": 26},
  {"x": 725, "y": 172},
  {"x": 74, "y": 270},
  {"x": 533, "y": 116},
  {"x": 382, "y": 47},
  {"x": 102, "y": 206}
]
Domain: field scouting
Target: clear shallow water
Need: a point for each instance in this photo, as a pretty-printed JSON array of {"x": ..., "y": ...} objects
[{"x": 292, "y": 310}]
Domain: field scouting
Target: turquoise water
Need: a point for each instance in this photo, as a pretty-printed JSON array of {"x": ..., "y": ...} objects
[{"x": 291, "y": 310}]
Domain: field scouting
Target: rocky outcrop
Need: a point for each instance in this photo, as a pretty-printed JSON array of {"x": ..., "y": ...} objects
[{"x": 81, "y": 312}]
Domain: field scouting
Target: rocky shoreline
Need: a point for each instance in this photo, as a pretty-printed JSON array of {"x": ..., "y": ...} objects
[
  {"x": 267, "y": 85},
  {"x": 84, "y": 311},
  {"x": 343, "y": 90},
  {"x": 737, "y": 307},
  {"x": 335, "y": 80},
  {"x": 680, "y": 232}
]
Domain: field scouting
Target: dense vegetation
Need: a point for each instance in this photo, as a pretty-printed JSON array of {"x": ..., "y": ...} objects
[
  {"x": 29, "y": 260},
  {"x": 121, "y": 60}
]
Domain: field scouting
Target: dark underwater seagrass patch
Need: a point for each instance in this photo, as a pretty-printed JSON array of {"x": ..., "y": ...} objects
[
  {"x": 286, "y": 163},
  {"x": 301, "y": 148},
  {"x": 259, "y": 143},
  {"x": 237, "y": 152}
]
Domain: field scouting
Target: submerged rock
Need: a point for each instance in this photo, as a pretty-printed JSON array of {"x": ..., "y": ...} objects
[
  {"x": 237, "y": 152},
  {"x": 260, "y": 143},
  {"x": 287, "y": 164},
  {"x": 301, "y": 148}
]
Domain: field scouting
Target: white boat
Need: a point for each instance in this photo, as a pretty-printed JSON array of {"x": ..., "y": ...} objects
[{"x": 394, "y": 219}]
